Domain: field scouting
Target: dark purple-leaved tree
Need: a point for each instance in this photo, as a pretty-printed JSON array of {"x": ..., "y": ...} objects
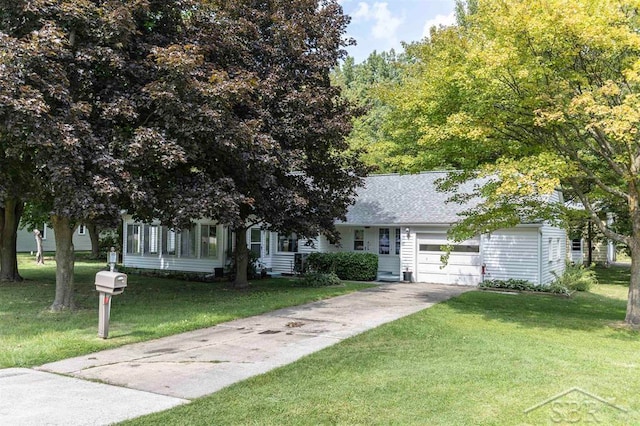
[
  {"x": 247, "y": 97},
  {"x": 68, "y": 97}
]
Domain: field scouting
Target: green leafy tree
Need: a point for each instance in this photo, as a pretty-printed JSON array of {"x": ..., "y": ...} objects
[
  {"x": 535, "y": 96},
  {"x": 364, "y": 85}
]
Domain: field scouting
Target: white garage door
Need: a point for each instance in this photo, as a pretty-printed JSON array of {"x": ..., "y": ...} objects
[{"x": 463, "y": 266}]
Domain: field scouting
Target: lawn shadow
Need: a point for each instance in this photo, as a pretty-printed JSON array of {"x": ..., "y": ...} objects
[{"x": 584, "y": 311}]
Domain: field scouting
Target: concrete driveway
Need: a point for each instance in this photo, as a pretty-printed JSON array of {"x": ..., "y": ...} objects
[{"x": 117, "y": 384}]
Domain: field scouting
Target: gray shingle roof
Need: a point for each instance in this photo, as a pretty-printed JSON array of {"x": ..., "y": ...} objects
[{"x": 406, "y": 199}]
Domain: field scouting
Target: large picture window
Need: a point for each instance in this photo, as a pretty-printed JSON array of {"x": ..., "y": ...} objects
[
  {"x": 288, "y": 243},
  {"x": 208, "y": 241},
  {"x": 383, "y": 241}
]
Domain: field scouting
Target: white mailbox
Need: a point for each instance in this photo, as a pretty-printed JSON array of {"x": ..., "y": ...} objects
[
  {"x": 111, "y": 282},
  {"x": 108, "y": 283}
]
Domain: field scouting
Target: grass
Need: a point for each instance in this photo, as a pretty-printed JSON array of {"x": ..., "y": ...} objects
[
  {"x": 481, "y": 358},
  {"x": 149, "y": 308}
]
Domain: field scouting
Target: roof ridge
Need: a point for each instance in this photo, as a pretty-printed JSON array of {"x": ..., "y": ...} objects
[{"x": 426, "y": 172}]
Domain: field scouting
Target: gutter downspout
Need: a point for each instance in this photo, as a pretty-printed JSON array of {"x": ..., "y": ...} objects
[{"x": 540, "y": 256}]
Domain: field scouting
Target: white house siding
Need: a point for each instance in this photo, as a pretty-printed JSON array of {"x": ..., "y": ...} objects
[
  {"x": 408, "y": 250},
  {"x": 554, "y": 253},
  {"x": 283, "y": 262},
  {"x": 175, "y": 262},
  {"x": 27, "y": 243},
  {"x": 511, "y": 253},
  {"x": 370, "y": 244}
]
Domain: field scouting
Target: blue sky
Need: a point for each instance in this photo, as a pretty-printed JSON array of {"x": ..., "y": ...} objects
[{"x": 382, "y": 25}]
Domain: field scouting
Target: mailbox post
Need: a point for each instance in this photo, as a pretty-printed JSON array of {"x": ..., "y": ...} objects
[
  {"x": 108, "y": 283},
  {"x": 113, "y": 259}
]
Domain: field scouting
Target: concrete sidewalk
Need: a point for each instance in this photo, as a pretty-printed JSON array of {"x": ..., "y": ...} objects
[{"x": 152, "y": 376}]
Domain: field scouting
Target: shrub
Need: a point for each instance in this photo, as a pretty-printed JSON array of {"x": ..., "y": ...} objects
[
  {"x": 107, "y": 240},
  {"x": 347, "y": 266},
  {"x": 577, "y": 277},
  {"x": 318, "y": 279},
  {"x": 524, "y": 285}
]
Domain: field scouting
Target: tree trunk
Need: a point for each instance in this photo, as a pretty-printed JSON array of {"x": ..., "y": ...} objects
[
  {"x": 633, "y": 302},
  {"x": 241, "y": 259},
  {"x": 9, "y": 221},
  {"x": 39, "y": 254},
  {"x": 65, "y": 260},
  {"x": 94, "y": 235},
  {"x": 589, "y": 243}
]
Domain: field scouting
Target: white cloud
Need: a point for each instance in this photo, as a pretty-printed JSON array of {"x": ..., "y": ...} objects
[
  {"x": 363, "y": 13},
  {"x": 385, "y": 25},
  {"x": 444, "y": 20}
]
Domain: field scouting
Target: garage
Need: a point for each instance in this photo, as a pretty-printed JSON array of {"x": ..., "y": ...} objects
[{"x": 463, "y": 267}]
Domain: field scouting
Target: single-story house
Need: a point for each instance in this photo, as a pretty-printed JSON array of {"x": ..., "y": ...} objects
[
  {"x": 26, "y": 240},
  {"x": 401, "y": 218}
]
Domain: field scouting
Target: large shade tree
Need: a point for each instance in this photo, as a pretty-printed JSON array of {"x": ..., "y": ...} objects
[
  {"x": 247, "y": 97},
  {"x": 178, "y": 110},
  {"x": 539, "y": 96},
  {"x": 68, "y": 99}
]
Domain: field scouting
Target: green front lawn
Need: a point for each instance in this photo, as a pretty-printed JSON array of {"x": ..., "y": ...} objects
[
  {"x": 482, "y": 358},
  {"x": 149, "y": 308}
]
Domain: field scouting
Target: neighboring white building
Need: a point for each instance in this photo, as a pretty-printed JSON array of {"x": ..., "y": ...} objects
[
  {"x": 603, "y": 250},
  {"x": 401, "y": 218},
  {"x": 26, "y": 241}
]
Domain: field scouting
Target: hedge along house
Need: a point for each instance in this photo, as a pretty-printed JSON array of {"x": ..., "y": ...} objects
[{"x": 403, "y": 219}]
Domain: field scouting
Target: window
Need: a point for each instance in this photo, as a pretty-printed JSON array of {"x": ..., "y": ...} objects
[
  {"x": 551, "y": 250},
  {"x": 230, "y": 242},
  {"x": 151, "y": 239},
  {"x": 168, "y": 241},
  {"x": 82, "y": 230},
  {"x": 208, "y": 241},
  {"x": 288, "y": 243},
  {"x": 267, "y": 243},
  {"x": 256, "y": 241},
  {"x": 43, "y": 231},
  {"x": 558, "y": 249},
  {"x": 461, "y": 248},
  {"x": 383, "y": 246},
  {"x": 398, "y": 240},
  {"x": 188, "y": 242},
  {"x": 358, "y": 239},
  {"x": 576, "y": 244},
  {"x": 134, "y": 238}
]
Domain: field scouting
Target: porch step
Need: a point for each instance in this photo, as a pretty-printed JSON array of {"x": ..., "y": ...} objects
[{"x": 388, "y": 277}]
